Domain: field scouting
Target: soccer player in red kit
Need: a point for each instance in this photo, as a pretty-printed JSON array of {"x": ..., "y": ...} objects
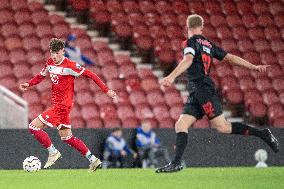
[{"x": 62, "y": 72}]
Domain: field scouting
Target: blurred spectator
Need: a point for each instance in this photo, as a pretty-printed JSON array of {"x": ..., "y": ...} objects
[
  {"x": 116, "y": 150},
  {"x": 74, "y": 53},
  {"x": 148, "y": 147}
]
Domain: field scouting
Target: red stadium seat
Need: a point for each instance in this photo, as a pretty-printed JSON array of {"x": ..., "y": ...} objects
[
  {"x": 161, "y": 112},
  {"x": 240, "y": 33},
  {"x": 217, "y": 20},
  {"x": 265, "y": 20},
  {"x": 44, "y": 30},
  {"x": 22, "y": 71},
  {"x": 245, "y": 45},
  {"x": 229, "y": 83},
  {"x": 251, "y": 97},
  {"x": 137, "y": 97},
  {"x": 272, "y": 33},
  {"x": 249, "y": 20},
  {"x": 81, "y": 84},
  {"x": 240, "y": 72},
  {"x": 132, "y": 83},
  {"x": 229, "y": 8},
  {"x": 146, "y": 6},
  {"x": 6, "y": 70},
  {"x": 123, "y": 30},
  {"x": 278, "y": 20},
  {"x": 173, "y": 98},
  {"x": 35, "y": 110},
  {"x": 9, "y": 29},
  {"x": 260, "y": 8},
  {"x": 176, "y": 111},
  {"x": 166, "y": 123},
  {"x": 256, "y": 33},
  {"x": 244, "y": 7},
  {"x": 31, "y": 42},
  {"x": 274, "y": 110},
  {"x": 247, "y": 84},
  {"x": 84, "y": 97},
  {"x": 180, "y": 7},
  {"x": 101, "y": 99},
  {"x": 4, "y": 4},
  {"x": 18, "y": 5},
  {"x": 258, "y": 109},
  {"x": 163, "y": 7},
  {"x": 111, "y": 123},
  {"x": 224, "y": 32},
  {"x": 149, "y": 84},
  {"x": 125, "y": 111},
  {"x": 90, "y": 112},
  {"x": 101, "y": 16},
  {"x": 130, "y": 6},
  {"x": 277, "y": 46},
  {"x": 56, "y": 19},
  {"x": 234, "y": 96},
  {"x": 13, "y": 42},
  {"x": 261, "y": 45},
  {"x": 17, "y": 55},
  {"x": 110, "y": 71},
  {"x": 251, "y": 56},
  {"x": 6, "y": 16},
  {"x": 279, "y": 122},
  {"x": 40, "y": 17},
  {"x": 234, "y": 20},
  {"x": 31, "y": 96},
  {"x": 155, "y": 97},
  {"x": 77, "y": 123},
  {"x": 94, "y": 123},
  {"x": 107, "y": 111},
  {"x": 276, "y": 7},
  {"x": 268, "y": 57},
  {"x": 143, "y": 111},
  {"x": 270, "y": 97},
  {"x": 61, "y": 30},
  {"x": 116, "y": 84},
  {"x": 263, "y": 84},
  {"x": 144, "y": 43},
  {"x": 130, "y": 123},
  {"x": 278, "y": 84}
]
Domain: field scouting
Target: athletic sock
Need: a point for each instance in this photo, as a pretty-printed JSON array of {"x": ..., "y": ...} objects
[
  {"x": 40, "y": 135},
  {"x": 76, "y": 143},
  {"x": 181, "y": 142},
  {"x": 52, "y": 150},
  {"x": 243, "y": 129},
  {"x": 90, "y": 157}
]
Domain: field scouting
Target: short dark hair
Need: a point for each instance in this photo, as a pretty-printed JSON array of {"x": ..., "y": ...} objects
[
  {"x": 116, "y": 129},
  {"x": 56, "y": 45}
]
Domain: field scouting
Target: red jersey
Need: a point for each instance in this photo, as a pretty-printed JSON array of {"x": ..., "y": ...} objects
[{"x": 62, "y": 76}]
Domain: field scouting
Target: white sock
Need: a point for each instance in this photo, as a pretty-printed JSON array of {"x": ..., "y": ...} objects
[
  {"x": 52, "y": 150},
  {"x": 90, "y": 157}
]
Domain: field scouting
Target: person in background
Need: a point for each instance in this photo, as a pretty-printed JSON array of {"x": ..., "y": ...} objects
[
  {"x": 148, "y": 146},
  {"x": 116, "y": 150},
  {"x": 74, "y": 53}
]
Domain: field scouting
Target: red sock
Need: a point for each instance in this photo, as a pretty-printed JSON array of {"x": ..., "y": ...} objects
[
  {"x": 41, "y": 136},
  {"x": 76, "y": 143}
]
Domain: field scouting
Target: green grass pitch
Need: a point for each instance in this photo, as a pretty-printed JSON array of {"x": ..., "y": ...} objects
[{"x": 191, "y": 178}]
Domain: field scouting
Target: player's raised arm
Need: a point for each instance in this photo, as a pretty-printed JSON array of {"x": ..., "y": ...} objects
[
  {"x": 182, "y": 66},
  {"x": 99, "y": 82},
  {"x": 238, "y": 61},
  {"x": 35, "y": 80}
]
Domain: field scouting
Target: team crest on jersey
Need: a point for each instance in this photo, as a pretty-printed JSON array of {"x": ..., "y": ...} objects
[{"x": 78, "y": 66}]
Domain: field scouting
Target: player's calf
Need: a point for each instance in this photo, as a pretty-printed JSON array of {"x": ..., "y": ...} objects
[{"x": 80, "y": 146}]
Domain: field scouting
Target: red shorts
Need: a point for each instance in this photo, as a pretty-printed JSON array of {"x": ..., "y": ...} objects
[{"x": 56, "y": 116}]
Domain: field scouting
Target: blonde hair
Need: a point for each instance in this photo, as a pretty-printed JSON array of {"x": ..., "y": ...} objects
[{"x": 194, "y": 21}]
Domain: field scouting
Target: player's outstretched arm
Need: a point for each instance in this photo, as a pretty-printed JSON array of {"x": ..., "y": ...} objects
[
  {"x": 34, "y": 81},
  {"x": 182, "y": 66},
  {"x": 238, "y": 61},
  {"x": 99, "y": 82}
]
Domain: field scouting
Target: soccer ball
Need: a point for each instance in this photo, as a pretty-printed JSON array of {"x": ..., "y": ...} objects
[
  {"x": 31, "y": 164},
  {"x": 260, "y": 155}
]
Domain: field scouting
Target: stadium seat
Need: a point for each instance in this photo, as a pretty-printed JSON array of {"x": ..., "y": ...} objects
[
  {"x": 90, "y": 112},
  {"x": 161, "y": 112},
  {"x": 130, "y": 122},
  {"x": 125, "y": 111},
  {"x": 244, "y": 7},
  {"x": 84, "y": 97},
  {"x": 234, "y": 20},
  {"x": 201, "y": 123},
  {"x": 143, "y": 111},
  {"x": 265, "y": 20},
  {"x": 279, "y": 122},
  {"x": 155, "y": 97},
  {"x": 270, "y": 97},
  {"x": 94, "y": 123},
  {"x": 108, "y": 111},
  {"x": 276, "y": 7},
  {"x": 6, "y": 16},
  {"x": 9, "y": 29},
  {"x": 111, "y": 123},
  {"x": 166, "y": 122},
  {"x": 257, "y": 109},
  {"x": 77, "y": 123},
  {"x": 175, "y": 111},
  {"x": 260, "y": 8},
  {"x": 137, "y": 97}
]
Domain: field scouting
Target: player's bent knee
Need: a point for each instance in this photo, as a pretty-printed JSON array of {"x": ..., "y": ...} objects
[
  {"x": 65, "y": 133},
  {"x": 36, "y": 124}
]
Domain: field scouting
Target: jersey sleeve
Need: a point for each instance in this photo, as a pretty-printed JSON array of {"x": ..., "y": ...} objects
[
  {"x": 189, "y": 48},
  {"x": 76, "y": 69},
  {"x": 218, "y": 52}
]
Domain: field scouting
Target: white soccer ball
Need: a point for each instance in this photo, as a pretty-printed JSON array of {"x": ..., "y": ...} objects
[
  {"x": 260, "y": 155},
  {"x": 31, "y": 164}
]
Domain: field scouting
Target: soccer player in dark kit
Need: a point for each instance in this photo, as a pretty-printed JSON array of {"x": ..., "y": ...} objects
[{"x": 198, "y": 54}]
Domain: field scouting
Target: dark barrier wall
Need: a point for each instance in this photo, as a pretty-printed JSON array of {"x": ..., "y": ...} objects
[{"x": 206, "y": 147}]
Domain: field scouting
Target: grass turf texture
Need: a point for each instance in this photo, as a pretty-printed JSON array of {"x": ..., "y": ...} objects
[{"x": 203, "y": 178}]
